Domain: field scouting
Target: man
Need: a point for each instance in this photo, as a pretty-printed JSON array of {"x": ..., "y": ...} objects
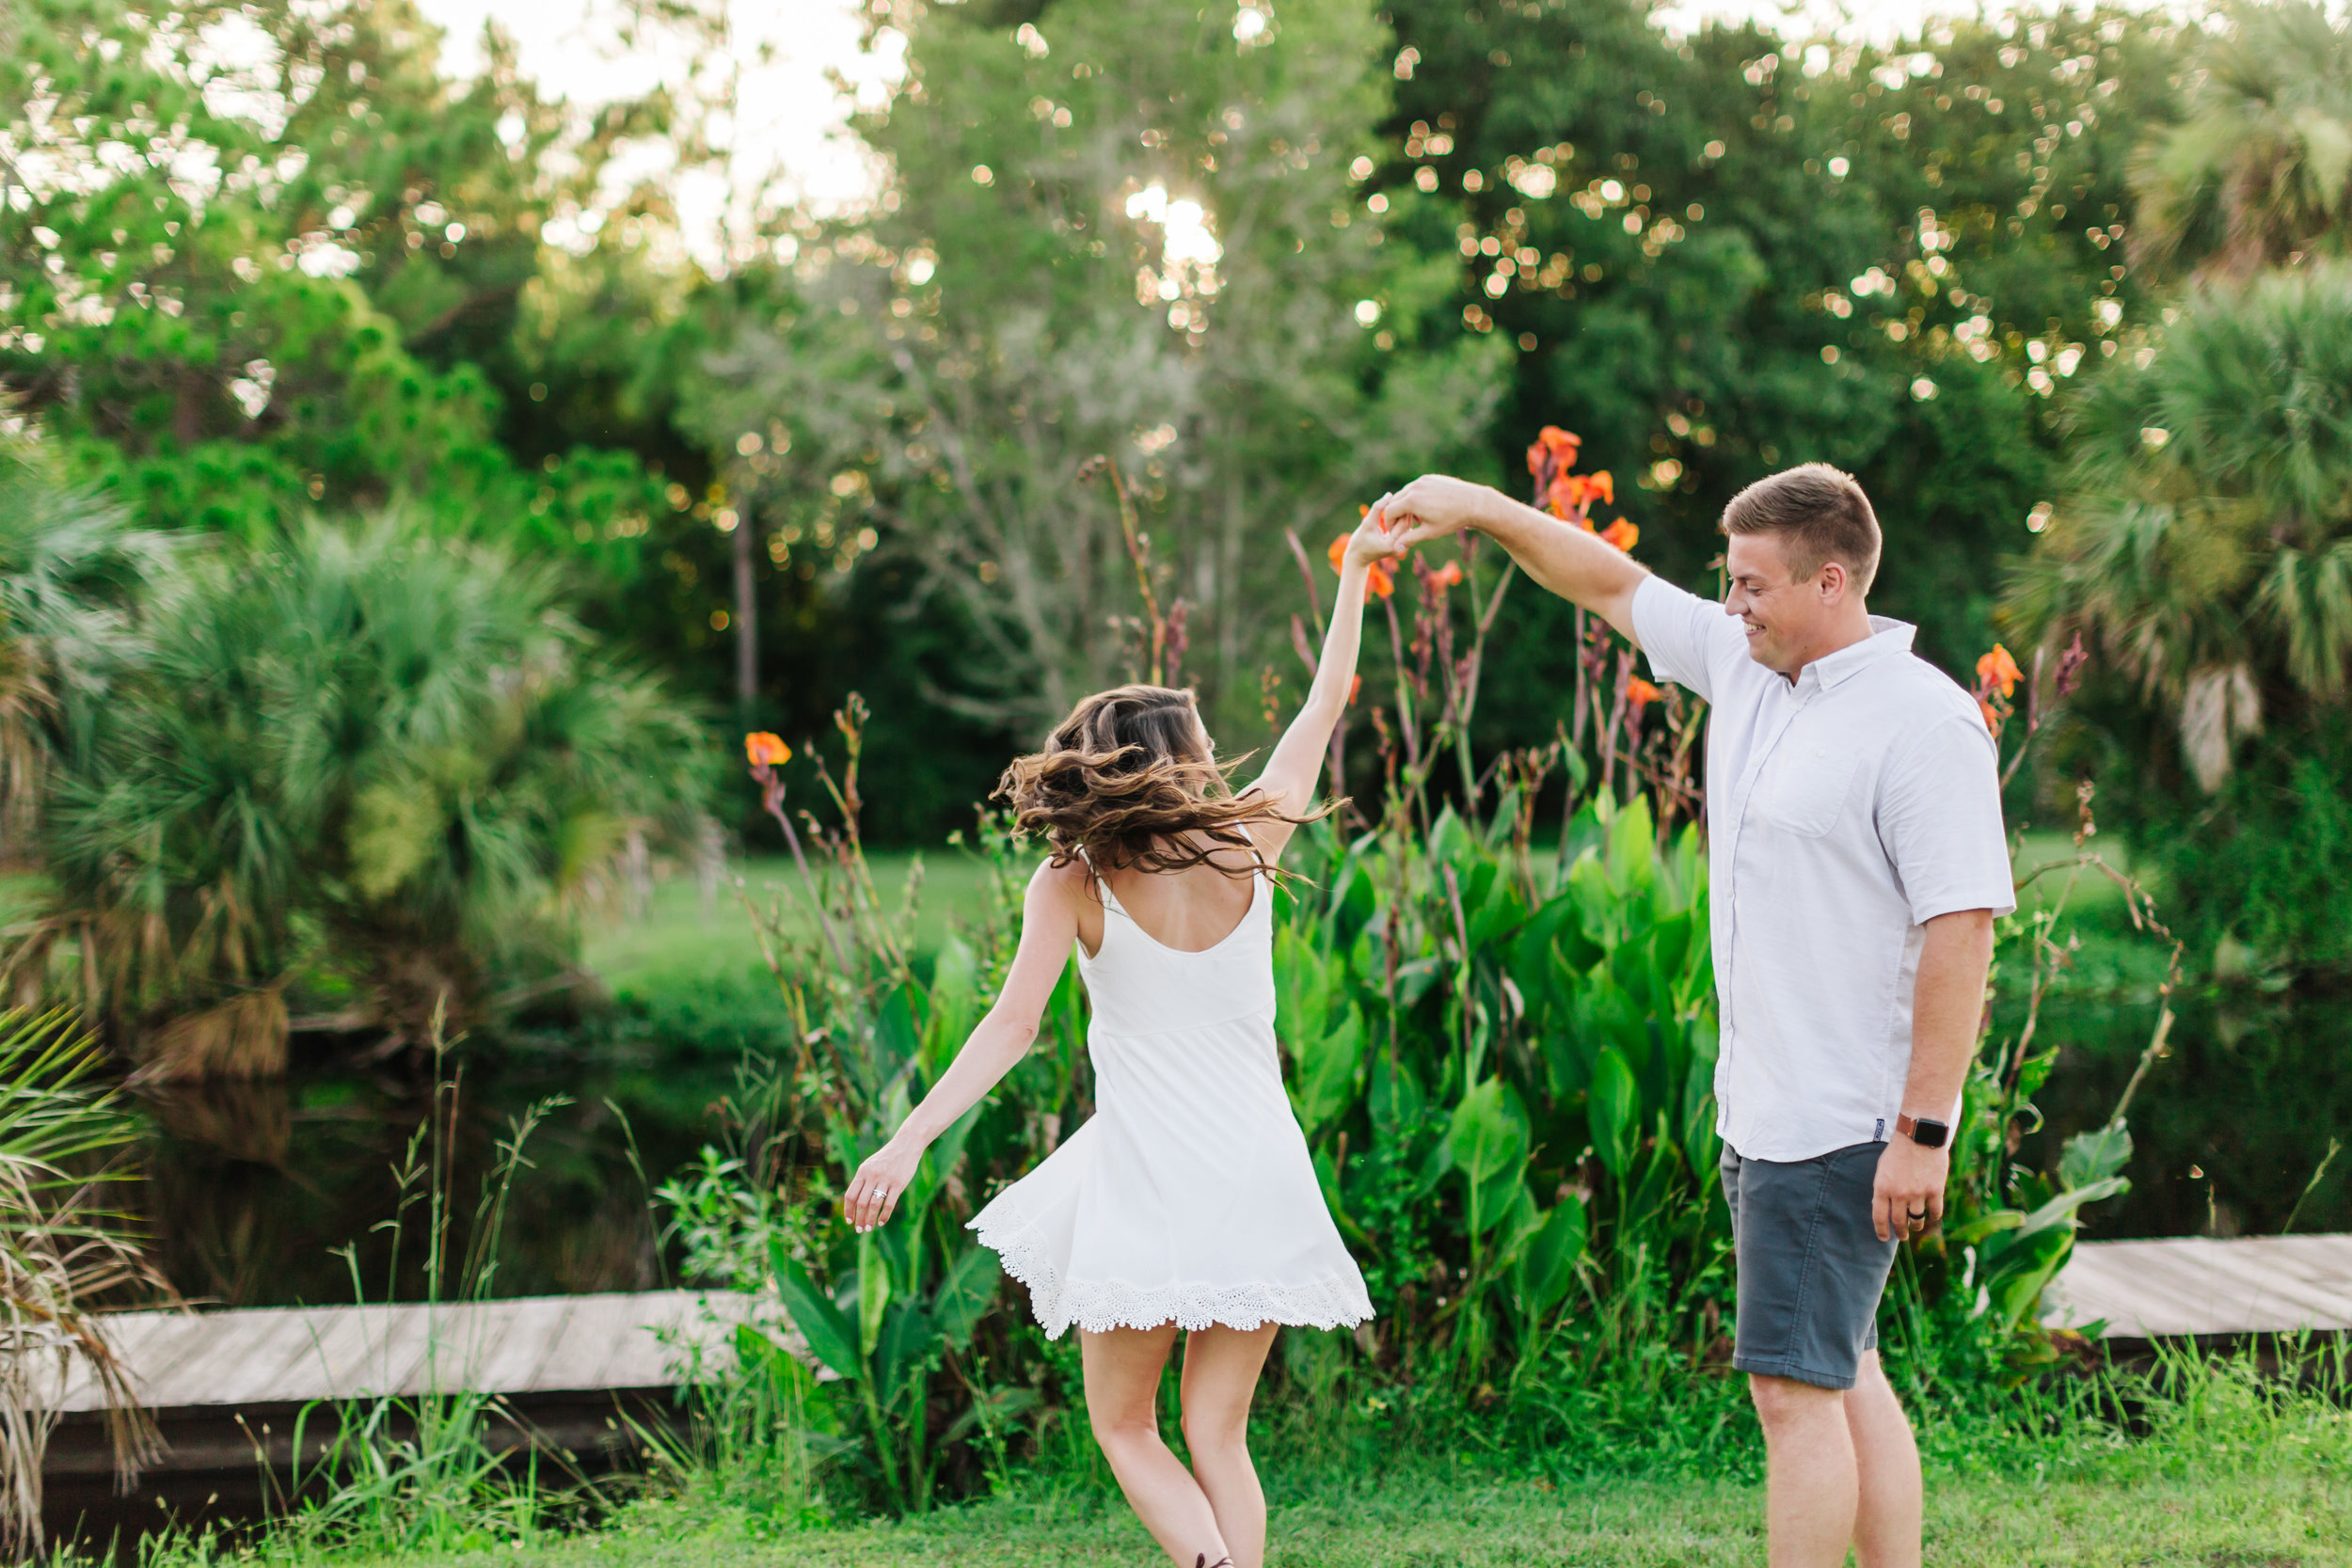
[{"x": 1857, "y": 863}]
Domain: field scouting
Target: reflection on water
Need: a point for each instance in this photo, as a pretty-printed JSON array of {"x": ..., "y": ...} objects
[
  {"x": 253, "y": 1186},
  {"x": 2229, "y": 1126}
]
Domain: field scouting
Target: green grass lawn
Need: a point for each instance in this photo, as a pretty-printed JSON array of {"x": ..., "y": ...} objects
[
  {"x": 2290, "y": 1515},
  {"x": 683, "y": 937}
]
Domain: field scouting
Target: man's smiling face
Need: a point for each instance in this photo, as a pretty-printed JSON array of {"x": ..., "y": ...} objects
[{"x": 1783, "y": 614}]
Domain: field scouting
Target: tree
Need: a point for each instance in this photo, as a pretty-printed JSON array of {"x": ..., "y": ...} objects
[
  {"x": 265, "y": 261},
  {"x": 1725, "y": 254},
  {"x": 2202, "y": 548},
  {"x": 366, "y": 764},
  {"x": 1118, "y": 232},
  {"x": 71, "y": 568},
  {"x": 2205, "y": 544},
  {"x": 2258, "y": 173}
]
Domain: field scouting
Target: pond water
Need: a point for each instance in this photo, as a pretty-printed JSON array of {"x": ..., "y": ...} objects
[{"x": 255, "y": 1186}]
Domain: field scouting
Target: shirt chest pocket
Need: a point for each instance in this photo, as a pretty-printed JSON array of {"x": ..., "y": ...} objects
[{"x": 1806, "y": 785}]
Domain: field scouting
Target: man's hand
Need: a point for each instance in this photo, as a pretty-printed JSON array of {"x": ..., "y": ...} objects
[
  {"x": 1432, "y": 507},
  {"x": 1908, "y": 1194}
]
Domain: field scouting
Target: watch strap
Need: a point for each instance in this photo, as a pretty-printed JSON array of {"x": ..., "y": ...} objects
[{"x": 1909, "y": 1127}]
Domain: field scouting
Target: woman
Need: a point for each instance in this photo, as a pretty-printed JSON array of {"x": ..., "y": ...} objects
[{"x": 1189, "y": 1200}]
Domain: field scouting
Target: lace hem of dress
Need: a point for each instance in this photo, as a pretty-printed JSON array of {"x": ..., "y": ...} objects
[{"x": 1097, "y": 1305}]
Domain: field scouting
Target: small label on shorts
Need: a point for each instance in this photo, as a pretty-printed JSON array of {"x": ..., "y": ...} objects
[{"x": 1880, "y": 1136}]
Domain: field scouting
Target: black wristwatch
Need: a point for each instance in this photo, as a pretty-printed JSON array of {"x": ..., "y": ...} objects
[{"x": 1925, "y": 1131}]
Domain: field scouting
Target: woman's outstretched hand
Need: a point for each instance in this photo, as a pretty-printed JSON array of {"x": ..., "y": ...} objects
[
  {"x": 874, "y": 1191},
  {"x": 1371, "y": 543}
]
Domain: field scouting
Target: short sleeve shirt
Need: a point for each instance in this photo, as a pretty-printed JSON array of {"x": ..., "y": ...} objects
[{"x": 1845, "y": 810}]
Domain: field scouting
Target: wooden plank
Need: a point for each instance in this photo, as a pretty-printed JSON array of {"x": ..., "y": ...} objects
[
  {"x": 2197, "y": 1285},
  {"x": 2268, "y": 1287},
  {"x": 510, "y": 1360}
]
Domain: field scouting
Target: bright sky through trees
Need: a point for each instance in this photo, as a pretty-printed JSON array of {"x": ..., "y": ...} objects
[{"x": 798, "y": 139}]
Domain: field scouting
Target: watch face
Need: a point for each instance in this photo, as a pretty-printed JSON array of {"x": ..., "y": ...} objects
[{"x": 1928, "y": 1134}]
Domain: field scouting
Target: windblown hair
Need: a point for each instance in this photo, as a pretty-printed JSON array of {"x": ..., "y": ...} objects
[
  {"x": 1126, "y": 780},
  {"x": 1821, "y": 514}
]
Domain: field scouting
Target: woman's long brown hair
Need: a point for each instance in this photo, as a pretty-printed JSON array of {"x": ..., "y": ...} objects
[{"x": 1127, "y": 781}]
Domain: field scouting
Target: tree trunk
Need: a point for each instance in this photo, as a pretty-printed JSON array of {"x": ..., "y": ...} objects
[{"x": 746, "y": 615}]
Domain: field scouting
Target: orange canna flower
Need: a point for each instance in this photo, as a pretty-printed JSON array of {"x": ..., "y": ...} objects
[
  {"x": 1450, "y": 575},
  {"x": 1997, "y": 670},
  {"x": 1354, "y": 684},
  {"x": 1992, "y": 720},
  {"x": 1623, "y": 535},
  {"x": 1641, "y": 693},
  {"x": 1338, "y": 552},
  {"x": 1555, "y": 445},
  {"x": 1602, "y": 485},
  {"x": 766, "y": 750}
]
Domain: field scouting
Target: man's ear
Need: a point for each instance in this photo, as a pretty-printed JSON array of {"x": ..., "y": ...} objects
[{"x": 1832, "y": 582}]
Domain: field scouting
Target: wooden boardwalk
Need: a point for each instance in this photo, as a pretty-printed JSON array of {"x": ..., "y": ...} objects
[
  {"x": 577, "y": 1378},
  {"x": 294, "y": 1355},
  {"x": 2196, "y": 1287},
  {"x": 573, "y": 1373}
]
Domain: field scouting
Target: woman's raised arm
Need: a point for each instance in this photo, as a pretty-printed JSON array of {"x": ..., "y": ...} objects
[
  {"x": 1296, "y": 767},
  {"x": 1049, "y": 925}
]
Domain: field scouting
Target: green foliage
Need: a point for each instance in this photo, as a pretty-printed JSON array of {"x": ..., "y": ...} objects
[
  {"x": 1098, "y": 244},
  {"x": 2258, "y": 173},
  {"x": 2204, "y": 551},
  {"x": 63, "y": 1247},
  {"x": 241, "y": 277},
  {"x": 1725, "y": 254},
  {"x": 381, "y": 758},
  {"x": 71, "y": 571}
]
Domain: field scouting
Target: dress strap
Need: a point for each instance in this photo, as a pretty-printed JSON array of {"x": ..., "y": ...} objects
[{"x": 1110, "y": 899}]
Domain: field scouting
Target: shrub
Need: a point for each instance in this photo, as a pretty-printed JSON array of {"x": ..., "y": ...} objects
[{"x": 367, "y": 755}]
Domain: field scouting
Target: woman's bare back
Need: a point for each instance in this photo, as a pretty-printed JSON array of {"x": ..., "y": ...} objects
[{"x": 1190, "y": 911}]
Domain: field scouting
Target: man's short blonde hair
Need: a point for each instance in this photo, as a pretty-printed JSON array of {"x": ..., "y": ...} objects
[{"x": 1821, "y": 514}]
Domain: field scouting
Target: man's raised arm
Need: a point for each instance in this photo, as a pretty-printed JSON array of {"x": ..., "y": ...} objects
[{"x": 1573, "y": 563}]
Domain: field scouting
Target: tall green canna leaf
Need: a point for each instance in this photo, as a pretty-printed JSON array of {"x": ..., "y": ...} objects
[
  {"x": 964, "y": 1293},
  {"x": 832, "y": 1338},
  {"x": 1489, "y": 1139},
  {"x": 1615, "y": 1108},
  {"x": 1331, "y": 1073},
  {"x": 873, "y": 1292},
  {"x": 1546, "y": 1266}
]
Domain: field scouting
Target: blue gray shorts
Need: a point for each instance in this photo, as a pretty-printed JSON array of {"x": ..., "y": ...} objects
[{"x": 1810, "y": 1265}]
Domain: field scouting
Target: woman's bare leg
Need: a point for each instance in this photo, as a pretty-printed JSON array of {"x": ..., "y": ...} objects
[
  {"x": 1122, "y": 1373},
  {"x": 1221, "y": 1367}
]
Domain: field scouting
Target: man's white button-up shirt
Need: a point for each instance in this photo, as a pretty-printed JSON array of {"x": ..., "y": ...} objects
[{"x": 1844, "y": 810}]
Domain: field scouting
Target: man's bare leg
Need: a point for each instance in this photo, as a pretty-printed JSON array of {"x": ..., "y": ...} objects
[
  {"x": 1811, "y": 1475},
  {"x": 1887, "y": 1464}
]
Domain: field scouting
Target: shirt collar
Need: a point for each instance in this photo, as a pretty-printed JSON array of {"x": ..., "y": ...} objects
[{"x": 1888, "y": 638}]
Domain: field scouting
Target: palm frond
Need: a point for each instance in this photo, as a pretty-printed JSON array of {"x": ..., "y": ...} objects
[
  {"x": 61, "y": 1246},
  {"x": 368, "y": 736}
]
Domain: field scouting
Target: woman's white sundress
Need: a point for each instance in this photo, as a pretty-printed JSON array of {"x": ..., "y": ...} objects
[{"x": 1189, "y": 1196}]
